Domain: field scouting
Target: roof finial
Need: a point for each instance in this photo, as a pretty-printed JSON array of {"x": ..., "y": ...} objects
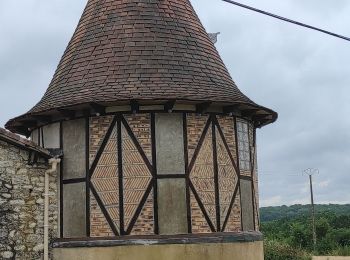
[{"x": 214, "y": 37}]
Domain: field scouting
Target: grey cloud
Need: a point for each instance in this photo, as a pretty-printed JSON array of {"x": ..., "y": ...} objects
[{"x": 303, "y": 75}]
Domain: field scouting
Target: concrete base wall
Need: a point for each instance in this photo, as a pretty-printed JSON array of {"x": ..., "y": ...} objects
[{"x": 224, "y": 251}]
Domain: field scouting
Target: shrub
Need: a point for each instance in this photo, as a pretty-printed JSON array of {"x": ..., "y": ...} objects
[
  {"x": 325, "y": 245},
  {"x": 276, "y": 250},
  {"x": 341, "y": 251}
]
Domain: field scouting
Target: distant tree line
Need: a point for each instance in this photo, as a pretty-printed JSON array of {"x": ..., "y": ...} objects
[{"x": 280, "y": 212}]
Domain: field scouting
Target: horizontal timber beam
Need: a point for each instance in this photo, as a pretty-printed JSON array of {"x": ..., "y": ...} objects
[
  {"x": 66, "y": 113},
  {"x": 234, "y": 109},
  {"x": 97, "y": 108},
  {"x": 202, "y": 107},
  {"x": 239, "y": 237}
]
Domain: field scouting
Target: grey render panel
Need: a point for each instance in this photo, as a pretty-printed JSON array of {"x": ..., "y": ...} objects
[
  {"x": 74, "y": 210},
  {"x": 51, "y": 135},
  {"x": 169, "y": 144},
  {"x": 247, "y": 205},
  {"x": 172, "y": 209},
  {"x": 74, "y": 149},
  {"x": 34, "y": 136}
]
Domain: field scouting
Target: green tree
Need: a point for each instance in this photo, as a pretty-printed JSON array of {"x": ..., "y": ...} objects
[
  {"x": 341, "y": 236},
  {"x": 290, "y": 235},
  {"x": 322, "y": 228},
  {"x": 301, "y": 235}
]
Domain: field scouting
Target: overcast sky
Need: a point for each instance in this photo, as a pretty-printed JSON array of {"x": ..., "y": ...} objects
[{"x": 301, "y": 74}]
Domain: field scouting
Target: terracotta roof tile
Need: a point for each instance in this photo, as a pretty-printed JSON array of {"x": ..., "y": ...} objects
[
  {"x": 139, "y": 50},
  {"x": 22, "y": 143}
]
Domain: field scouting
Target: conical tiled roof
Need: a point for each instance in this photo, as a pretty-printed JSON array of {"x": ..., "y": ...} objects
[{"x": 147, "y": 50}]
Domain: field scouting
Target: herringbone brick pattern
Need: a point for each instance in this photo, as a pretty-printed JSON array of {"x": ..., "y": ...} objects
[
  {"x": 97, "y": 131},
  {"x": 234, "y": 221},
  {"x": 99, "y": 226},
  {"x": 227, "y": 124},
  {"x": 195, "y": 126},
  {"x": 105, "y": 180},
  {"x": 228, "y": 178},
  {"x": 140, "y": 125},
  {"x": 145, "y": 222},
  {"x": 198, "y": 221},
  {"x": 202, "y": 176},
  {"x": 136, "y": 177}
]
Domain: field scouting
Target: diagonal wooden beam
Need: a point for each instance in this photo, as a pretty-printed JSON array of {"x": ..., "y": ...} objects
[
  {"x": 233, "y": 199},
  {"x": 102, "y": 147},
  {"x": 199, "y": 146},
  {"x": 104, "y": 210},
  {"x": 139, "y": 208},
  {"x": 138, "y": 146},
  {"x": 216, "y": 122},
  {"x": 201, "y": 206}
]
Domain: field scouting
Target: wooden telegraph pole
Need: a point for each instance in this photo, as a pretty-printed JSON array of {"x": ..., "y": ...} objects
[{"x": 311, "y": 172}]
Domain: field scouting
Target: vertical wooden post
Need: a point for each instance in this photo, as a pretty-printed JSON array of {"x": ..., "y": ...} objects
[{"x": 313, "y": 212}]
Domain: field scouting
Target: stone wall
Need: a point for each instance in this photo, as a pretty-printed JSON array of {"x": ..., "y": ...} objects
[{"x": 22, "y": 205}]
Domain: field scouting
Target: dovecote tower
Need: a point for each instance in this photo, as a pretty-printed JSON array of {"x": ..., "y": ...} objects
[{"x": 159, "y": 149}]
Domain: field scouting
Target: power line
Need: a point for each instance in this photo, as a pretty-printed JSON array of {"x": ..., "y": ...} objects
[
  {"x": 287, "y": 20},
  {"x": 280, "y": 174},
  {"x": 279, "y": 171}
]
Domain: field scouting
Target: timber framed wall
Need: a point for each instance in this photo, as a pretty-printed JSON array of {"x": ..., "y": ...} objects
[{"x": 116, "y": 186}]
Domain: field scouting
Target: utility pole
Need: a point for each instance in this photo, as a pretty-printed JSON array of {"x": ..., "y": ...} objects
[{"x": 311, "y": 172}]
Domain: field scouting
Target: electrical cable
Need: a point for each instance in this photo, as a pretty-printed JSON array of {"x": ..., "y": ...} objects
[{"x": 287, "y": 20}]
